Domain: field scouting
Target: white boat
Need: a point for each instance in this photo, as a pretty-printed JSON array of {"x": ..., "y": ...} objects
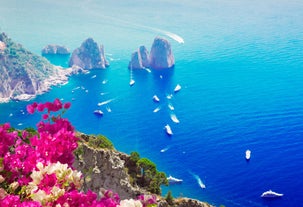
[
  {"x": 156, "y": 98},
  {"x": 168, "y": 130},
  {"x": 94, "y": 76},
  {"x": 171, "y": 107},
  {"x": 157, "y": 109},
  {"x": 172, "y": 180},
  {"x": 271, "y": 194},
  {"x": 98, "y": 112},
  {"x": 174, "y": 118},
  {"x": 177, "y": 88},
  {"x": 131, "y": 82},
  {"x": 247, "y": 154}
]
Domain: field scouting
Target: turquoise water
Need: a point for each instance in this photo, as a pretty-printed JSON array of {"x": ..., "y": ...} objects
[{"x": 241, "y": 74}]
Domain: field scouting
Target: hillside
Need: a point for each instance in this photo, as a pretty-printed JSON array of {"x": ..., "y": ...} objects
[{"x": 24, "y": 75}]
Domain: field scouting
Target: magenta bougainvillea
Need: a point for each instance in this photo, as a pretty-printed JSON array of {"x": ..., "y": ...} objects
[{"x": 36, "y": 168}]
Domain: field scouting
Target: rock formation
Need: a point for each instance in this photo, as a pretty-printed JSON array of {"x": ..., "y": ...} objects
[
  {"x": 23, "y": 75},
  {"x": 104, "y": 168},
  {"x": 55, "y": 50},
  {"x": 140, "y": 59},
  {"x": 160, "y": 57},
  {"x": 89, "y": 56}
]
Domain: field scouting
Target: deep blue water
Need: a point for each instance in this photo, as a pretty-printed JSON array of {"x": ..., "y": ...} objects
[{"x": 241, "y": 72}]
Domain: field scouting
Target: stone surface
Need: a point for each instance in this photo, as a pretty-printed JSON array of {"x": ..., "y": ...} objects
[
  {"x": 140, "y": 59},
  {"x": 23, "y": 75},
  {"x": 89, "y": 56},
  {"x": 55, "y": 50},
  {"x": 161, "y": 56}
]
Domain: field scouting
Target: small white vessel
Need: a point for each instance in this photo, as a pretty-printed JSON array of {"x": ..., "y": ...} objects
[
  {"x": 172, "y": 180},
  {"x": 94, "y": 76},
  {"x": 157, "y": 109},
  {"x": 168, "y": 130},
  {"x": 171, "y": 107},
  {"x": 271, "y": 194},
  {"x": 156, "y": 98},
  {"x": 131, "y": 82},
  {"x": 247, "y": 154},
  {"x": 174, "y": 118},
  {"x": 98, "y": 112},
  {"x": 177, "y": 88}
]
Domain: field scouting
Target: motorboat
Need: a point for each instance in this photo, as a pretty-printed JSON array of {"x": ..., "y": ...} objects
[
  {"x": 168, "y": 130},
  {"x": 247, "y": 154},
  {"x": 177, "y": 88},
  {"x": 172, "y": 180},
  {"x": 156, "y": 98},
  {"x": 131, "y": 82},
  {"x": 98, "y": 112},
  {"x": 271, "y": 194},
  {"x": 157, "y": 109}
]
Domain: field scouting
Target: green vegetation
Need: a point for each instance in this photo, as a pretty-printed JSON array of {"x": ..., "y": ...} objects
[
  {"x": 169, "y": 198},
  {"x": 19, "y": 62},
  {"x": 144, "y": 173}
]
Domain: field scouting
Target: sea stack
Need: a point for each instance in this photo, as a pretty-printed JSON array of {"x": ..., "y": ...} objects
[
  {"x": 140, "y": 59},
  {"x": 89, "y": 56},
  {"x": 161, "y": 56},
  {"x": 55, "y": 50}
]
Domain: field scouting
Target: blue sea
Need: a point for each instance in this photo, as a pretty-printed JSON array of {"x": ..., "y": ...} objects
[{"x": 241, "y": 72}]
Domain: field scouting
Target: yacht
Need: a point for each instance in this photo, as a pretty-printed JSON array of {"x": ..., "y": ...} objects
[
  {"x": 177, "y": 88},
  {"x": 172, "y": 180},
  {"x": 168, "y": 130},
  {"x": 156, "y": 98},
  {"x": 247, "y": 154},
  {"x": 271, "y": 194},
  {"x": 131, "y": 82},
  {"x": 98, "y": 112}
]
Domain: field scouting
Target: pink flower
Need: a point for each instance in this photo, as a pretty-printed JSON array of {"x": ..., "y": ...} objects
[
  {"x": 30, "y": 109},
  {"x": 45, "y": 116},
  {"x": 40, "y": 107},
  {"x": 67, "y": 105}
]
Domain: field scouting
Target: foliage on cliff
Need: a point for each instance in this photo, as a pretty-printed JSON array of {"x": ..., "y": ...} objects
[{"x": 21, "y": 71}]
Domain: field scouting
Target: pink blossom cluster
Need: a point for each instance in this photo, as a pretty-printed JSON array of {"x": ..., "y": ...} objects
[{"x": 36, "y": 169}]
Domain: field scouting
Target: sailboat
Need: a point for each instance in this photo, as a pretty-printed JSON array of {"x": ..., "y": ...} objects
[
  {"x": 177, "y": 88},
  {"x": 132, "y": 81}
]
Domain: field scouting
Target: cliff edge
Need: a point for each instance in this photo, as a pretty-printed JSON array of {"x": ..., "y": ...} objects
[{"x": 24, "y": 75}]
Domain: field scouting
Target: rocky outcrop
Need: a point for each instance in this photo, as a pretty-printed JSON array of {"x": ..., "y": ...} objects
[
  {"x": 23, "y": 75},
  {"x": 140, "y": 59},
  {"x": 55, "y": 50},
  {"x": 160, "y": 56},
  {"x": 89, "y": 56},
  {"x": 103, "y": 168},
  {"x": 184, "y": 202}
]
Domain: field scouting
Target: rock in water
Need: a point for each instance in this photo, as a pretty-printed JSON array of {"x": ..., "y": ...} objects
[
  {"x": 139, "y": 59},
  {"x": 161, "y": 55},
  {"x": 55, "y": 50},
  {"x": 89, "y": 55}
]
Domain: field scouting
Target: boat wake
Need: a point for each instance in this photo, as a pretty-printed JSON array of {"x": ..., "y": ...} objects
[
  {"x": 201, "y": 184},
  {"x": 105, "y": 102}
]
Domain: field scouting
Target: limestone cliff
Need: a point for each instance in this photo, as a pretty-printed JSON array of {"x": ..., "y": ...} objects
[
  {"x": 160, "y": 56},
  {"x": 89, "y": 56},
  {"x": 23, "y": 74},
  {"x": 105, "y": 168},
  {"x": 140, "y": 59},
  {"x": 55, "y": 50}
]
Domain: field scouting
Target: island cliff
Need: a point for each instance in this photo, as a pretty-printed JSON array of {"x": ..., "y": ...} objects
[
  {"x": 55, "y": 50},
  {"x": 104, "y": 167},
  {"x": 24, "y": 75},
  {"x": 160, "y": 56},
  {"x": 89, "y": 56}
]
